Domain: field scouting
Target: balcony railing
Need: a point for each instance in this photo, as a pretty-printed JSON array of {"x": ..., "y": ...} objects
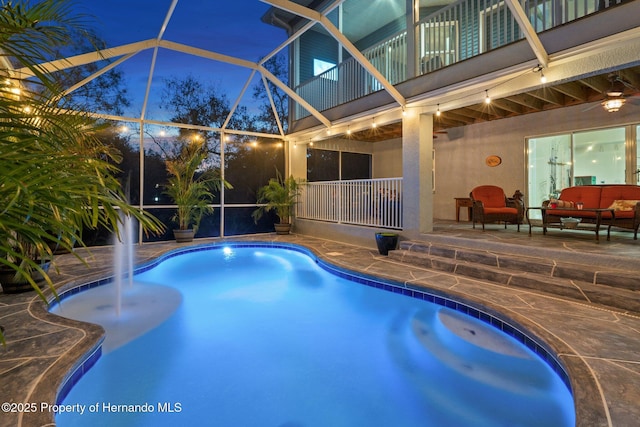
[
  {"x": 366, "y": 202},
  {"x": 459, "y": 31}
]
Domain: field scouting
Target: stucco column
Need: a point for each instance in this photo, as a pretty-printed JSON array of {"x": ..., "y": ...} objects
[
  {"x": 417, "y": 165},
  {"x": 297, "y": 160}
]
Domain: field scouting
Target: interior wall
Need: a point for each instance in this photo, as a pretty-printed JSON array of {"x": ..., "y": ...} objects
[{"x": 460, "y": 156}]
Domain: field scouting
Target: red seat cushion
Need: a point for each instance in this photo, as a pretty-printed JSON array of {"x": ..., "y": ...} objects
[
  {"x": 505, "y": 210},
  {"x": 587, "y": 194},
  {"x": 490, "y": 196},
  {"x": 618, "y": 192}
]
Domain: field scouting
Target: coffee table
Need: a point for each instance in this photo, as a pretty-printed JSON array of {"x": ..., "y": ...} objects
[{"x": 598, "y": 218}]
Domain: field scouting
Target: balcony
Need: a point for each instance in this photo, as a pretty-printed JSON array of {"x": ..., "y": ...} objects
[{"x": 462, "y": 30}]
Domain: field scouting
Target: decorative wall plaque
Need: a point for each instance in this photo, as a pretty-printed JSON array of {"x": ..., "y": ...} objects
[{"x": 493, "y": 161}]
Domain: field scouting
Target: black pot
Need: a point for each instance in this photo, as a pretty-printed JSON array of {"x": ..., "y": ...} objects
[
  {"x": 12, "y": 285},
  {"x": 183, "y": 236},
  {"x": 386, "y": 242}
]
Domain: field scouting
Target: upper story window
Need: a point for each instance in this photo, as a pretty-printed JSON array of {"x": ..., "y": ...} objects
[{"x": 320, "y": 66}]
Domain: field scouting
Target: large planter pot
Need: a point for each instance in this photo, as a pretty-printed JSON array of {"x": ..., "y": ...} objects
[
  {"x": 11, "y": 285},
  {"x": 386, "y": 242},
  {"x": 282, "y": 228},
  {"x": 183, "y": 236}
]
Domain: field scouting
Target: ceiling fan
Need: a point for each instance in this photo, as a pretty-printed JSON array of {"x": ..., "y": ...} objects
[{"x": 615, "y": 97}]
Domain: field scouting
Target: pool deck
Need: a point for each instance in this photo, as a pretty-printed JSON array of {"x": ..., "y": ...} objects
[{"x": 599, "y": 346}]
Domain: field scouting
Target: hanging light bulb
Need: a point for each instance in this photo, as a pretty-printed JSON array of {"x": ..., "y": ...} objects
[
  {"x": 487, "y": 100},
  {"x": 543, "y": 78},
  {"x": 438, "y": 111}
]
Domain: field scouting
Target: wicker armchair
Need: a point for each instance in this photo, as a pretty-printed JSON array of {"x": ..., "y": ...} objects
[{"x": 490, "y": 204}]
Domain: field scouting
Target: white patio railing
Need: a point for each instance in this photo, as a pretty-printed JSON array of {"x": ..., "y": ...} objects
[{"x": 366, "y": 202}]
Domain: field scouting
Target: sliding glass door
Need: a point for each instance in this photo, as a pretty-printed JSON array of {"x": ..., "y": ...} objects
[{"x": 580, "y": 158}]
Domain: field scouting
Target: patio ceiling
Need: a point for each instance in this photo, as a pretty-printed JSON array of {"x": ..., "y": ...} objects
[{"x": 590, "y": 91}]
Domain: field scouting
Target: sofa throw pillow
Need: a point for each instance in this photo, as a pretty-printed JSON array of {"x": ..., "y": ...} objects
[
  {"x": 623, "y": 205},
  {"x": 565, "y": 204}
]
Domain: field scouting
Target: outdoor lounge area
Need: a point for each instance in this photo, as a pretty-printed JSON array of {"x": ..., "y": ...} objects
[{"x": 174, "y": 130}]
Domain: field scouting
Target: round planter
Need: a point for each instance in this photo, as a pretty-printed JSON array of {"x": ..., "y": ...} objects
[
  {"x": 183, "y": 236},
  {"x": 12, "y": 286},
  {"x": 386, "y": 242},
  {"x": 283, "y": 228}
]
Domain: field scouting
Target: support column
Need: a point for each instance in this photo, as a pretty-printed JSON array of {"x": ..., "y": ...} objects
[
  {"x": 417, "y": 167},
  {"x": 297, "y": 160}
]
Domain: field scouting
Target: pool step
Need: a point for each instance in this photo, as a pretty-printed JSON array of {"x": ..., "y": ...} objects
[{"x": 583, "y": 282}]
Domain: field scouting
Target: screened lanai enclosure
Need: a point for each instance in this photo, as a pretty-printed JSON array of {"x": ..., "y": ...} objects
[
  {"x": 318, "y": 90},
  {"x": 163, "y": 85},
  {"x": 155, "y": 86}
]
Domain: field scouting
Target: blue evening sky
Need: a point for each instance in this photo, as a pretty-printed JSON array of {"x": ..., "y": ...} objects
[{"x": 232, "y": 28}]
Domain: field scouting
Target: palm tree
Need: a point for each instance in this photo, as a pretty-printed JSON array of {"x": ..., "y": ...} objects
[
  {"x": 189, "y": 187},
  {"x": 56, "y": 176},
  {"x": 280, "y": 195}
]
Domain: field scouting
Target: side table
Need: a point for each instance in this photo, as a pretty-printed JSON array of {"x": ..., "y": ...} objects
[{"x": 464, "y": 202}]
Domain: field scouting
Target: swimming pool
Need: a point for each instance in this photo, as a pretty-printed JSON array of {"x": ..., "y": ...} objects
[{"x": 263, "y": 336}]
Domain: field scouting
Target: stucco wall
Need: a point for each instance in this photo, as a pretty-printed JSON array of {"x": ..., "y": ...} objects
[
  {"x": 460, "y": 155},
  {"x": 387, "y": 159}
]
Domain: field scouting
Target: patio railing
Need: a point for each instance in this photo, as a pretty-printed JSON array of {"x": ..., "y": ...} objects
[{"x": 366, "y": 202}]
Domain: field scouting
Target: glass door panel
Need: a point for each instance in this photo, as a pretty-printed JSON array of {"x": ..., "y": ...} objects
[{"x": 598, "y": 157}]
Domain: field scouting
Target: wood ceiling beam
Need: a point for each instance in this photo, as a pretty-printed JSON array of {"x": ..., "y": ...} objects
[
  {"x": 450, "y": 119},
  {"x": 508, "y": 105},
  {"x": 489, "y": 111},
  {"x": 467, "y": 113},
  {"x": 573, "y": 90},
  {"x": 528, "y": 101},
  {"x": 550, "y": 96},
  {"x": 598, "y": 83},
  {"x": 632, "y": 78}
]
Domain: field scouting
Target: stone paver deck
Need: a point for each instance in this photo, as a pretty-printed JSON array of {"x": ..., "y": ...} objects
[{"x": 599, "y": 347}]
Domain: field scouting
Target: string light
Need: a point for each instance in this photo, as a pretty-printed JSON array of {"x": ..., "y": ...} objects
[
  {"x": 487, "y": 99},
  {"x": 538, "y": 69}
]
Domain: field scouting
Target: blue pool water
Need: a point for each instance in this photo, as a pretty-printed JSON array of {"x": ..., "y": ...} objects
[{"x": 265, "y": 337}]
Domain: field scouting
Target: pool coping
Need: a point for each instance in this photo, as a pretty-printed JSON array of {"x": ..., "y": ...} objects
[{"x": 571, "y": 367}]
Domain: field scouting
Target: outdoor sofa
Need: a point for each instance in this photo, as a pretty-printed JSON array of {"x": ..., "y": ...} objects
[{"x": 623, "y": 199}]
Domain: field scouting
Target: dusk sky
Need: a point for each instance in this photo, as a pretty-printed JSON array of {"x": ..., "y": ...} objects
[{"x": 228, "y": 27}]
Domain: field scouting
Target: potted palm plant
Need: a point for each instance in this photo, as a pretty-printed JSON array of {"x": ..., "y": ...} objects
[
  {"x": 279, "y": 195},
  {"x": 57, "y": 177},
  {"x": 191, "y": 188}
]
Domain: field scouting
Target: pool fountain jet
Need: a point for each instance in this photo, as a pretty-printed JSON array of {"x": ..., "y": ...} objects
[
  {"x": 123, "y": 259},
  {"x": 124, "y": 307}
]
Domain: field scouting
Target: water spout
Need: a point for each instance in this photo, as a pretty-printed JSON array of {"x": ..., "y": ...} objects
[{"x": 123, "y": 259}]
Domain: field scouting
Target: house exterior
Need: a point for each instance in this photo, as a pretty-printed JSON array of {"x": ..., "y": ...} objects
[{"x": 390, "y": 119}]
